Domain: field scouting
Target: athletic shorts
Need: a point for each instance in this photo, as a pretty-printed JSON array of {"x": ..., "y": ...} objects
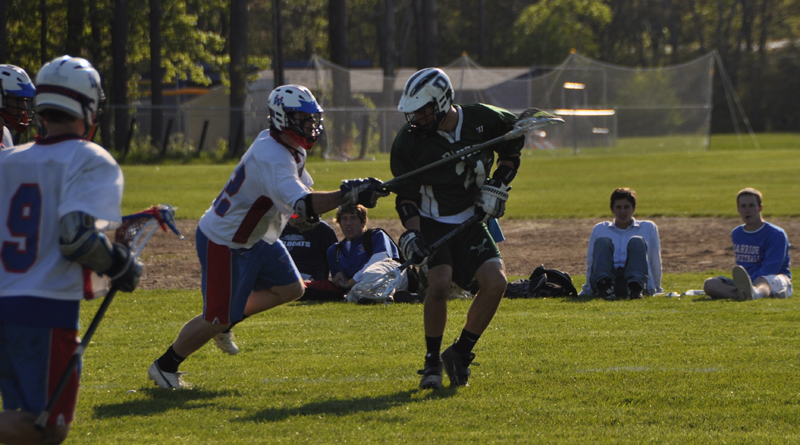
[
  {"x": 777, "y": 284},
  {"x": 32, "y": 360},
  {"x": 465, "y": 252},
  {"x": 231, "y": 275}
]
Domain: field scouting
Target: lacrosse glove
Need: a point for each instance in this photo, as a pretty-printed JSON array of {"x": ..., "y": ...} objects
[
  {"x": 413, "y": 246},
  {"x": 492, "y": 200},
  {"x": 362, "y": 191},
  {"x": 125, "y": 270}
]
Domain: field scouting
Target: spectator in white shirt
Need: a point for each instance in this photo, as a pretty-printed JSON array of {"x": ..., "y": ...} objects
[{"x": 624, "y": 255}]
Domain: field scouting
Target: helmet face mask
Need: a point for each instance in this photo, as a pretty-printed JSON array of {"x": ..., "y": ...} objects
[
  {"x": 427, "y": 92},
  {"x": 426, "y": 119},
  {"x": 16, "y": 97},
  {"x": 71, "y": 85},
  {"x": 294, "y": 111}
]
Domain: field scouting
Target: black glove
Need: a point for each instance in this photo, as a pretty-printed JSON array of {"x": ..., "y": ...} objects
[
  {"x": 362, "y": 191},
  {"x": 492, "y": 200},
  {"x": 413, "y": 246},
  {"x": 125, "y": 269}
]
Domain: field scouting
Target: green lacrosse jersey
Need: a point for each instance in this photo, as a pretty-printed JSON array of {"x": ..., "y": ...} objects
[{"x": 451, "y": 188}]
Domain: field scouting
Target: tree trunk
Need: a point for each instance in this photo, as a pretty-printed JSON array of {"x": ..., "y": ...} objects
[
  {"x": 388, "y": 55},
  {"x": 430, "y": 34},
  {"x": 119, "y": 90},
  {"x": 96, "y": 50},
  {"x": 43, "y": 31},
  {"x": 238, "y": 52},
  {"x": 3, "y": 34},
  {"x": 76, "y": 12},
  {"x": 337, "y": 37},
  {"x": 156, "y": 87},
  {"x": 277, "y": 57},
  {"x": 416, "y": 7}
]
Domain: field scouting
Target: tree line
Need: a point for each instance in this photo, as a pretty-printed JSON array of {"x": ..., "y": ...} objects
[{"x": 187, "y": 40}]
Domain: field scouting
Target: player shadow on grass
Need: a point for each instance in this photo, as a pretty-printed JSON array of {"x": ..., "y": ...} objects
[
  {"x": 339, "y": 407},
  {"x": 159, "y": 400}
]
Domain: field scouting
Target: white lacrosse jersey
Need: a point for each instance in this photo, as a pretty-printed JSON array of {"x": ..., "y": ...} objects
[
  {"x": 39, "y": 184},
  {"x": 259, "y": 197},
  {"x": 7, "y": 141}
]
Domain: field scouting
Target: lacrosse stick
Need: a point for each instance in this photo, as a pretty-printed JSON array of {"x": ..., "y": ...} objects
[
  {"x": 382, "y": 287},
  {"x": 529, "y": 120},
  {"x": 135, "y": 232}
]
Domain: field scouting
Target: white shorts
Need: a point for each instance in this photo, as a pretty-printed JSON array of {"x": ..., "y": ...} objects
[{"x": 779, "y": 283}]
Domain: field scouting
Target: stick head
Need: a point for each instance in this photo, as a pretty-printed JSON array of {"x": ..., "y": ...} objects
[
  {"x": 531, "y": 119},
  {"x": 137, "y": 228}
]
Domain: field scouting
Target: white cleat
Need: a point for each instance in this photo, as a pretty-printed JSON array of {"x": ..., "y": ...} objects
[
  {"x": 166, "y": 380},
  {"x": 744, "y": 285},
  {"x": 224, "y": 341}
]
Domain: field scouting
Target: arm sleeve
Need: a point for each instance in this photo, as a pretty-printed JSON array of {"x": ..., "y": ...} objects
[
  {"x": 283, "y": 181},
  {"x": 400, "y": 163},
  {"x": 504, "y": 123},
  {"x": 587, "y": 287},
  {"x": 94, "y": 186},
  {"x": 333, "y": 265},
  {"x": 654, "y": 246},
  {"x": 774, "y": 255}
]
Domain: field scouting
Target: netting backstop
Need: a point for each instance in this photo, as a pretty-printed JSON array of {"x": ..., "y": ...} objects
[{"x": 607, "y": 108}]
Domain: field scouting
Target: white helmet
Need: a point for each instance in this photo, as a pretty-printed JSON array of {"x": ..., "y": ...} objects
[
  {"x": 427, "y": 86},
  {"x": 284, "y": 102},
  {"x": 15, "y": 84},
  {"x": 71, "y": 85}
]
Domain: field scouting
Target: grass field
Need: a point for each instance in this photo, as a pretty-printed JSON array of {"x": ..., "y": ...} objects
[{"x": 662, "y": 370}]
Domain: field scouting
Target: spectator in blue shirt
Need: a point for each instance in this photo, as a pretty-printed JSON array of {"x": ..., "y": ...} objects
[
  {"x": 350, "y": 257},
  {"x": 762, "y": 256}
]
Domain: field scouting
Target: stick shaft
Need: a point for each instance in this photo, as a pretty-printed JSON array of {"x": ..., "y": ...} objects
[{"x": 513, "y": 134}]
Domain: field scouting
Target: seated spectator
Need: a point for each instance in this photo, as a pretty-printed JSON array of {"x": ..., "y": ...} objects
[
  {"x": 308, "y": 247},
  {"x": 624, "y": 255},
  {"x": 363, "y": 251},
  {"x": 762, "y": 256}
]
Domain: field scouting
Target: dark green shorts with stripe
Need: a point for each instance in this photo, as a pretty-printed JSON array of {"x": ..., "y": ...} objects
[{"x": 465, "y": 252}]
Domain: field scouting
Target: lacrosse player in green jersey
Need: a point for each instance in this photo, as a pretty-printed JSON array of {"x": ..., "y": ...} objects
[{"x": 433, "y": 203}]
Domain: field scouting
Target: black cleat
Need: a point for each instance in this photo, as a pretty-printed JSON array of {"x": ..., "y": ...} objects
[
  {"x": 605, "y": 289},
  {"x": 431, "y": 375},
  {"x": 457, "y": 366},
  {"x": 634, "y": 290}
]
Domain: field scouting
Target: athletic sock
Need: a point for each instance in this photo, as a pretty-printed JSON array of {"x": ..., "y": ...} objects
[
  {"x": 434, "y": 347},
  {"x": 234, "y": 324},
  {"x": 170, "y": 361},
  {"x": 466, "y": 342}
]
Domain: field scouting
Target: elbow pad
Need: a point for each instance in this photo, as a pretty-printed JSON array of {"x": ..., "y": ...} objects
[
  {"x": 83, "y": 243},
  {"x": 505, "y": 173}
]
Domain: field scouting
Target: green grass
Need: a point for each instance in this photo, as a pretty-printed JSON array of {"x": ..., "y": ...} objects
[
  {"x": 664, "y": 370},
  {"x": 667, "y": 184}
]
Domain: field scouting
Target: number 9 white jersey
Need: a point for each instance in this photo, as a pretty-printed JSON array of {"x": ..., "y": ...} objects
[{"x": 39, "y": 184}]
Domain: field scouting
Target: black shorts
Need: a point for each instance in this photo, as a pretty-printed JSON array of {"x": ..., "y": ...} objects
[{"x": 465, "y": 252}]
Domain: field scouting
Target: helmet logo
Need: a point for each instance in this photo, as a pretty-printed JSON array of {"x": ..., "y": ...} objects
[
  {"x": 440, "y": 83},
  {"x": 278, "y": 100}
]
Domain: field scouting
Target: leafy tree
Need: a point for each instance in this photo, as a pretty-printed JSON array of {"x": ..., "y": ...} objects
[{"x": 545, "y": 32}]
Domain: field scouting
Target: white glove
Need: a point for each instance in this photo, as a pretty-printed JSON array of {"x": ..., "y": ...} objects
[{"x": 492, "y": 200}]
